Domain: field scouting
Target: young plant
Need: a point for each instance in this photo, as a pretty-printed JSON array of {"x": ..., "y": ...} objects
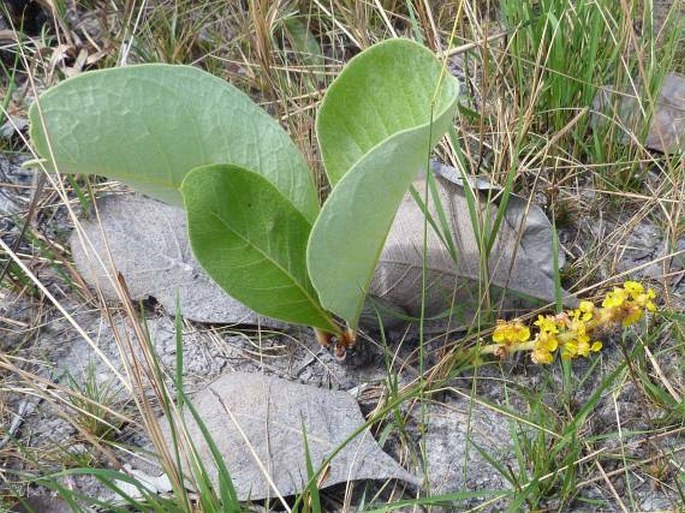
[
  {"x": 188, "y": 138},
  {"x": 93, "y": 401}
]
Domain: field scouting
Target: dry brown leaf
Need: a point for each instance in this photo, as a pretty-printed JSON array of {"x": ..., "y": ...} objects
[
  {"x": 520, "y": 267},
  {"x": 149, "y": 246},
  {"x": 667, "y": 128},
  {"x": 257, "y": 424}
]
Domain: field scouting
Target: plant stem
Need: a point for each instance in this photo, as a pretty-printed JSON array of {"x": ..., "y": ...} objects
[{"x": 323, "y": 337}]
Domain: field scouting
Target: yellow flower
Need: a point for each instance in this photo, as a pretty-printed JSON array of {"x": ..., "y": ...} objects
[
  {"x": 583, "y": 346},
  {"x": 541, "y": 357},
  {"x": 615, "y": 298},
  {"x": 545, "y": 344},
  {"x": 569, "y": 350},
  {"x": 644, "y": 300},
  {"x": 571, "y": 331},
  {"x": 593, "y": 348},
  {"x": 632, "y": 314},
  {"x": 546, "y": 324},
  {"x": 627, "y": 305},
  {"x": 577, "y": 325},
  {"x": 633, "y": 288},
  {"x": 512, "y": 332},
  {"x": 586, "y": 310}
]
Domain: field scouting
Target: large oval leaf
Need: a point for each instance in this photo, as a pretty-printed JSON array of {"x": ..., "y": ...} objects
[
  {"x": 387, "y": 89},
  {"x": 148, "y": 125},
  {"x": 252, "y": 241},
  {"x": 378, "y": 123}
]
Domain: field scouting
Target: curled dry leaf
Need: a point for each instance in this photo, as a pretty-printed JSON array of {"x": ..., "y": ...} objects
[
  {"x": 148, "y": 244},
  {"x": 257, "y": 425},
  {"x": 667, "y": 128}
]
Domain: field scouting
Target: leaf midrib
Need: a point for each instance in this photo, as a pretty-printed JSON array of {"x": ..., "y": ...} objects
[{"x": 297, "y": 284}]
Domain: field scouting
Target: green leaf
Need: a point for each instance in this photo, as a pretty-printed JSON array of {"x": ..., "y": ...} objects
[
  {"x": 252, "y": 241},
  {"x": 377, "y": 126},
  {"x": 148, "y": 125},
  {"x": 384, "y": 90}
]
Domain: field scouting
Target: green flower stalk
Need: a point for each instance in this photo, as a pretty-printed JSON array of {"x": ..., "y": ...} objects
[{"x": 573, "y": 332}]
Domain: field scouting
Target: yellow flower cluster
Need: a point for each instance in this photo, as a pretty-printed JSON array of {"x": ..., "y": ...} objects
[
  {"x": 572, "y": 331},
  {"x": 627, "y": 304}
]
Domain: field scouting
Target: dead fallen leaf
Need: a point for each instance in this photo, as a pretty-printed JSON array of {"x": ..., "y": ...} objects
[
  {"x": 256, "y": 422},
  {"x": 520, "y": 267},
  {"x": 149, "y": 246},
  {"x": 667, "y": 128}
]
